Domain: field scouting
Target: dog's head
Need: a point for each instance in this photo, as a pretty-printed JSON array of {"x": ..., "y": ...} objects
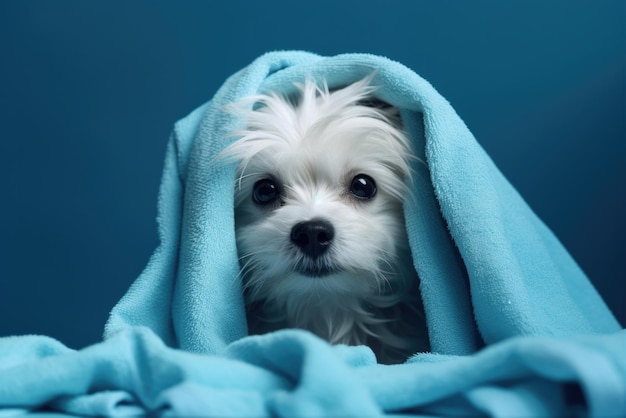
[{"x": 322, "y": 179}]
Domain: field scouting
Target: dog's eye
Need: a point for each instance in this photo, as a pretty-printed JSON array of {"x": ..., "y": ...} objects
[
  {"x": 363, "y": 187},
  {"x": 265, "y": 192}
]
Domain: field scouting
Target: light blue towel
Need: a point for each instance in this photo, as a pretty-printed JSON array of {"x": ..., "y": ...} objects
[{"x": 515, "y": 326}]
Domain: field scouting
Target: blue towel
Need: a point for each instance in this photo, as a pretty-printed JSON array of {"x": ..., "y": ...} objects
[{"x": 516, "y": 328}]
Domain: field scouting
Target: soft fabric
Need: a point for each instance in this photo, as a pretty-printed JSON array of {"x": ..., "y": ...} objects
[
  {"x": 292, "y": 373},
  {"x": 515, "y": 326}
]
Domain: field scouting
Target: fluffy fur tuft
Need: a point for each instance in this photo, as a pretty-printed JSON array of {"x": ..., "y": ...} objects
[{"x": 320, "y": 229}]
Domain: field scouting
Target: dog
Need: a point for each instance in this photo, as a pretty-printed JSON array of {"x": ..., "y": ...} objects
[{"x": 322, "y": 177}]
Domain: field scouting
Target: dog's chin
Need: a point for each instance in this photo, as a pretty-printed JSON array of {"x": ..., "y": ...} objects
[
  {"x": 316, "y": 269},
  {"x": 316, "y": 272},
  {"x": 331, "y": 279},
  {"x": 313, "y": 284}
]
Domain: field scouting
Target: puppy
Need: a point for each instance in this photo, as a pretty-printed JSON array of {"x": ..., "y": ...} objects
[{"x": 319, "y": 222}]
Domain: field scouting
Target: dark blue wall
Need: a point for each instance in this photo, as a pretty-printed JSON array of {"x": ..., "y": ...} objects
[{"x": 90, "y": 90}]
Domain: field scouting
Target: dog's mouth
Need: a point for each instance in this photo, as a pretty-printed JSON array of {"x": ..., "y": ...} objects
[{"x": 315, "y": 271}]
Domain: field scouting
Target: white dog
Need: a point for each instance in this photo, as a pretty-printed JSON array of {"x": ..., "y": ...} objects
[{"x": 319, "y": 220}]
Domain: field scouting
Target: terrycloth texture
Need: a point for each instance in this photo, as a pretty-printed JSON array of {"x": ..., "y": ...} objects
[
  {"x": 292, "y": 373},
  {"x": 515, "y": 326}
]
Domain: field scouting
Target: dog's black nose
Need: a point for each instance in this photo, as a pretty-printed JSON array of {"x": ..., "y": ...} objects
[{"x": 313, "y": 237}]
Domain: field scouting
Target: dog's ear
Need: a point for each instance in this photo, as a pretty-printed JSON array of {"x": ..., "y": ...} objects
[
  {"x": 375, "y": 103},
  {"x": 392, "y": 112}
]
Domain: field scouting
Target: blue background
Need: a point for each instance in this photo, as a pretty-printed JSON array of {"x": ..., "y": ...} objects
[{"x": 90, "y": 90}]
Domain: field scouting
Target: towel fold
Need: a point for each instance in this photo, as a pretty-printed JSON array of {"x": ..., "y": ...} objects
[
  {"x": 515, "y": 326},
  {"x": 293, "y": 373}
]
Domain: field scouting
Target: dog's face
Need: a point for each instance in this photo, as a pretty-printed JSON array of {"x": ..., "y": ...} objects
[{"x": 319, "y": 197}]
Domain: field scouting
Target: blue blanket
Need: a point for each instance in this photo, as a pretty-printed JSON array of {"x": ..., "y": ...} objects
[{"x": 516, "y": 328}]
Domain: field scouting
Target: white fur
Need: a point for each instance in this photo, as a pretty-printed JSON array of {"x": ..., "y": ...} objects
[{"x": 312, "y": 147}]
